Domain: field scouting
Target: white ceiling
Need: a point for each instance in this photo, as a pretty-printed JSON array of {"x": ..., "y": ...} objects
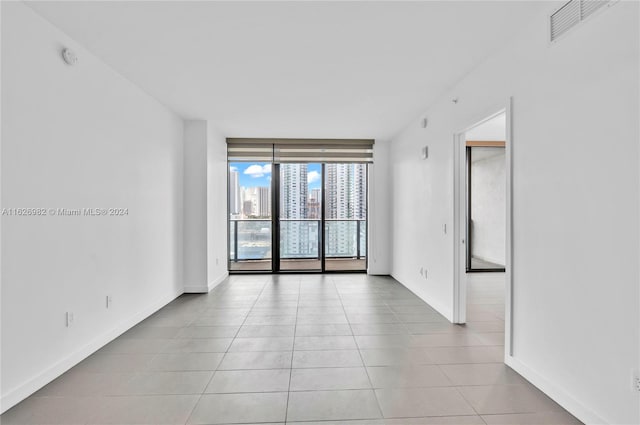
[{"x": 293, "y": 69}]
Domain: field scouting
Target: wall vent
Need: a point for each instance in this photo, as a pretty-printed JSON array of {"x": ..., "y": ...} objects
[{"x": 571, "y": 14}]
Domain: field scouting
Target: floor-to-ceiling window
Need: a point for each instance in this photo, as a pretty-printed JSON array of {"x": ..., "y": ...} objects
[
  {"x": 250, "y": 217},
  {"x": 298, "y": 208},
  {"x": 345, "y": 216},
  {"x": 299, "y": 216}
]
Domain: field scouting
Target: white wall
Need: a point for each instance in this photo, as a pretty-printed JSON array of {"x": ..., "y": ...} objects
[
  {"x": 576, "y": 228},
  {"x": 205, "y": 206},
  {"x": 379, "y": 211},
  {"x": 216, "y": 207},
  {"x": 195, "y": 206},
  {"x": 488, "y": 207},
  {"x": 421, "y": 198},
  {"x": 79, "y": 137}
]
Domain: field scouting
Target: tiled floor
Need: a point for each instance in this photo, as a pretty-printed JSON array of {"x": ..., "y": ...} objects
[
  {"x": 332, "y": 349},
  {"x": 478, "y": 264}
]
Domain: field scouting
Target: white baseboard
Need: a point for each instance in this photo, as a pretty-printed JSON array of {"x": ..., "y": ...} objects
[
  {"x": 218, "y": 280},
  {"x": 18, "y": 394},
  {"x": 201, "y": 289},
  {"x": 445, "y": 311},
  {"x": 557, "y": 394},
  {"x": 372, "y": 272},
  {"x": 374, "y": 269},
  {"x": 195, "y": 289}
]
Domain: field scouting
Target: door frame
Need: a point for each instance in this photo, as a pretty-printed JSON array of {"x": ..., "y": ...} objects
[{"x": 460, "y": 219}]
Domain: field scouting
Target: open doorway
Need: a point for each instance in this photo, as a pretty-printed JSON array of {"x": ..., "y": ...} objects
[
  {"x": 482, "y": 228},
  {"x": 486, "y": 196}
]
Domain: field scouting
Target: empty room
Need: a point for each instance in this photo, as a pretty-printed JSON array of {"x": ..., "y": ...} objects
[{"x": 320, "y": 212}]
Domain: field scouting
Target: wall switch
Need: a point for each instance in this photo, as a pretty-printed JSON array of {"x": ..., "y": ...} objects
[
  {"x": 70, "y": 319},
  {"x": 421, "y": 271},
  {"x": 425, "y": 274},
  {"x": 109, "y": 301},
  {"x": 217, "y": 261},
  {"x": 444, "y": 228}
]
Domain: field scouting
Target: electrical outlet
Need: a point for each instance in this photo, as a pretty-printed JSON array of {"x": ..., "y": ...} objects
[
  {"x": 70, "y": 319},
  {"x": 109, "y": 301},
  {"x": 635, "y": 380}
]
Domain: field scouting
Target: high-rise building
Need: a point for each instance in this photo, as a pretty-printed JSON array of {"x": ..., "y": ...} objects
[
  {"x": 293, "y": 191},
  {"x": 260, "y": 200},
  {"x": 247, "y": 208},
  {"x": 263, "y": 202},
  {"x": 359, "y": 191},
  {"x": 298, "y": 238},
  {"x": 316, "y": 194},
  {"x": 314, "y": 204},
  {"x": 346, "y": 207}
]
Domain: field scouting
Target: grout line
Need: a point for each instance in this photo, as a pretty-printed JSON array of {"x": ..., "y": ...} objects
[
  {"x": 360, "y": 354},
  {"x": 225, "y": 353},
  {"x": 293, "y": 348},
  {"x": 376, "y": 293},
  {"x": 468, "y": 402}
]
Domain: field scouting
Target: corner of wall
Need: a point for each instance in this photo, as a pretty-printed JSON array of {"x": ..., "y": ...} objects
[
  {"x": 99, "y": 103},
  {"x": 558, "y": 394},
  {"x": 217, "y": 281},
  {"x": 216, "y": 178},
  {"x": 33, "y": 384},
  {"x": 444, "y": 310},
  {"x": 379, "y": 211}
]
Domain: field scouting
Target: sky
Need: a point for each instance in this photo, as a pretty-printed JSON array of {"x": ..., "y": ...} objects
[{"x": 259, "y": 174}]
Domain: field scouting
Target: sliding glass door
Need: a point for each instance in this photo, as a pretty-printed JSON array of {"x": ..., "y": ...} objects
[
  {"x": 310, "y": 216},
  {"x": 250, "y": 217},
  {"x": 299, "y": 217},
  {"x": 345, "y": 216}
]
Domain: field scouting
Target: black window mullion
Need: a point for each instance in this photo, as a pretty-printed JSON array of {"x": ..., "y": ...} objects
[
  {"x": 321, "y": 231},
  {"x": 275, "y": 218}
]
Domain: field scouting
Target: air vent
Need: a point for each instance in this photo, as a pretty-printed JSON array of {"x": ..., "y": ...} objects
[
  {"x": 589, "y": 7},
  {"x": 571, "y": 14}
]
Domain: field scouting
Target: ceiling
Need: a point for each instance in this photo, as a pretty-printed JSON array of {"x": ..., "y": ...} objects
[{"x": 293, "y": 69}]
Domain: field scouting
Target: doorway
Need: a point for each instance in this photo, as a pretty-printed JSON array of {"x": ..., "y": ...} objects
[
  {"x": 486, "y": 192},
  {"x": 482, "y": 226},
  {"x": 299, "y": 199}
]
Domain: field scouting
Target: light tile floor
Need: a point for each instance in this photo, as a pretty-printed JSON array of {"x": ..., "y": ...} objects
[{"x": 301, "y": 349}]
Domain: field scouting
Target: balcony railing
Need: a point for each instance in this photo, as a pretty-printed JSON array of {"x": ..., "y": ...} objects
[
  {"x": 300, "y": 238},
  {"x": 250, "y": 239},
  {"x": 345, "y": 238}
]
